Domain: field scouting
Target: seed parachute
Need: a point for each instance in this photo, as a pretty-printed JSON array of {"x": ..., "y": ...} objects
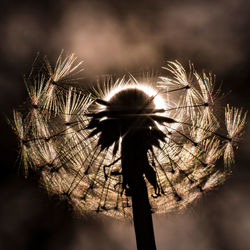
[{"x": 72, "y": 137}]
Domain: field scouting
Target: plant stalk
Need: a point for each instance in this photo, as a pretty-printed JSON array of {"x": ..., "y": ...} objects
[{"x": 134, "y": 162}]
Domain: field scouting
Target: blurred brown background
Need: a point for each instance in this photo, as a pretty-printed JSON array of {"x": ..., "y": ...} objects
[{"x": 119, "y": 37}]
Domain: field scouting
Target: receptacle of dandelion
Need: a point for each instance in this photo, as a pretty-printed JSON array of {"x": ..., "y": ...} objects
[{"x": 127, "y": 147}]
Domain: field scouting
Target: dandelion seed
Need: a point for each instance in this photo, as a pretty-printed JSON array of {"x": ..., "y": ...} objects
[
  {"x": 235, "y": 120},
  {"x": 106, "y": 148}
]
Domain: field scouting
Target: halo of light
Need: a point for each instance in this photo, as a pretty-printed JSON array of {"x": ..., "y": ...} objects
[{"x": 158, "y": 100}]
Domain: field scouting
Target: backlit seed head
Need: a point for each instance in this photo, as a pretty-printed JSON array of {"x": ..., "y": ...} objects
[{"x": 73, "y": 137}]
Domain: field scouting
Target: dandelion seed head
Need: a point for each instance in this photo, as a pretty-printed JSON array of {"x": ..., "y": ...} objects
[{"x": 75, "y": 138}]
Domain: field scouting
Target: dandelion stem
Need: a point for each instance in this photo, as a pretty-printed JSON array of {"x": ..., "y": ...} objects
[
  {"x": 143, "y": 223},
  {"x": 134, "y": 163}
]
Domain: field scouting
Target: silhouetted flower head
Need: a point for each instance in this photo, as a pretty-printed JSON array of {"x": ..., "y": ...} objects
[{"x": 73, "y": 137}]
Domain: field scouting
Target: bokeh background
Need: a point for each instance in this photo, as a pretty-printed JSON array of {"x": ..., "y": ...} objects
[{"x": 119, "y": 37}]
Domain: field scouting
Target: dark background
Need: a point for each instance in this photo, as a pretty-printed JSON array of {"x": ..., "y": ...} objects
[{"x": 117, "y": 37}]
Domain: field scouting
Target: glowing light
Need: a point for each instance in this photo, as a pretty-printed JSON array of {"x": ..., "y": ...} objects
[{"x": 158, "y": 99}]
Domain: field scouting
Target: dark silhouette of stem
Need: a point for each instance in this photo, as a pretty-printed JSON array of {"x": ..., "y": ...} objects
[
  {"x": 143, "y": 220},
  {"x": 134, "y": 163}
]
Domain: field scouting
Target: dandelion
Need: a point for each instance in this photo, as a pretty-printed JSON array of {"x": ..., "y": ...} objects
[{"x": 127, "y": 148}]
